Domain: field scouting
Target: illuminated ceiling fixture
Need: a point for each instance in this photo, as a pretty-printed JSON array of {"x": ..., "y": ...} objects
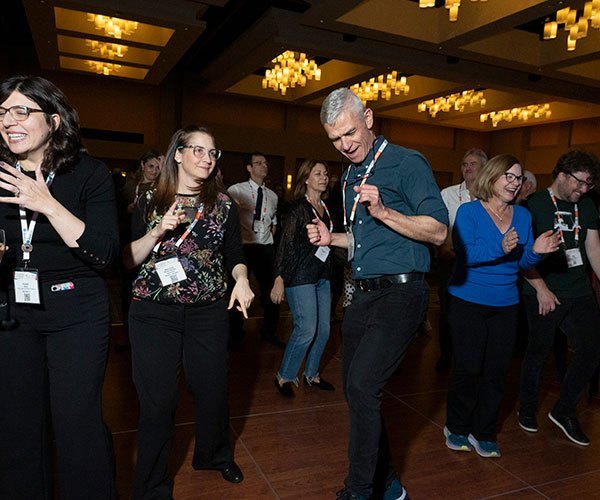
[
  {"x": 381, "y": 86},
  {"x": 107, "y": 50},
  {"x": 103, "y": 68},
  {"x": 456, "y": 102},
  {"x": 524, "y": 113},
  {"x": 112, "y": 26},
  {"x": 291, "y": 69},
  {"x": 451, "y": 5},
  {"x": 576, "y": 25}
]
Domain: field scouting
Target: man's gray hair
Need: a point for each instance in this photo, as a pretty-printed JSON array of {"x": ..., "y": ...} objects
[
  {"x": 530, "y": 176},
  {"x": 336, "y": 102},
  {"x": 476, "y": 152}
]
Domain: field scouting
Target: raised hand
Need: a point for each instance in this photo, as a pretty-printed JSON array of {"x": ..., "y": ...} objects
[
  {"x": 169, "y": 221},
  {"x": 510, "y": 240},
  {"x": 547, "y": 242},
  {"x": 318, "y": 233}
]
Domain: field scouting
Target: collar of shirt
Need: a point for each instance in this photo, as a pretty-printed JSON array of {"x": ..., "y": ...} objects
[{"x": 254, "y": 185}]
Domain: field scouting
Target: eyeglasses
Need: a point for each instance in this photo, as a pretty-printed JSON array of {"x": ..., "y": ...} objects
[
  {"x": 200, "y": 152},
  {"x": 19, "y": 113},
  {"x": 580, "y": 183},
  {"x": 510, "y": 177}
]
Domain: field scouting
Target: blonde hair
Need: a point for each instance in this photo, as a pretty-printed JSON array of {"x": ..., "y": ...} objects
[{"x": 483, "y": 187}]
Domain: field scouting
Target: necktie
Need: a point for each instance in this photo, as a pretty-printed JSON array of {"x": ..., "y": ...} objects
[{"x": 259, "y": 199}]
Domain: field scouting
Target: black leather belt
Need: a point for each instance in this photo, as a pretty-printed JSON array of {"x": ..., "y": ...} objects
[{"x": 372, "y": 284}]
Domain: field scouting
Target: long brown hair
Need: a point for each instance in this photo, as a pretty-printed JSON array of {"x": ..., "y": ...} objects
[
  {"x": 303, "y": 174},
  {"x": 207, "y": 189}
]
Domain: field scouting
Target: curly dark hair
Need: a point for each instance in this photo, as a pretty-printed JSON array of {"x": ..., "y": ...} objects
[
  {"x": 64, "y": 144},
  {"x": 575, "y": 161},
  {"x": 167, "y": 182}
]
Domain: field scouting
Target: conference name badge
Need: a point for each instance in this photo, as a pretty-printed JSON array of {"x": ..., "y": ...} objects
[
  {"x": 27, "y": 286},
  {"x": 170, "y": 271}
]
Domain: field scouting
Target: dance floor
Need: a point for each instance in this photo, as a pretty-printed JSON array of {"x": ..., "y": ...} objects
[{"x": 296, "y": 449}]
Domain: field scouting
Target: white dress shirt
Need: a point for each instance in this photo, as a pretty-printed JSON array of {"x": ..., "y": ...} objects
[
  {"x": 259, "y": 231},
  {"x": 454, "y": 197}
]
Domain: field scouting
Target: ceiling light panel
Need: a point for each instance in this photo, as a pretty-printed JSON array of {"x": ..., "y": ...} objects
[
  {"x": 77, "y": 21},
  {"x": 94, "y": 49}
]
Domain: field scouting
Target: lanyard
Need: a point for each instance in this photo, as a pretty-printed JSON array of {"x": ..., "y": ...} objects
[
  {"x": 576, "y": 225},
  {"x": 27, "y": 231},
  {"x": 364, "y": 180},
  {"x": 326, "y": 211},
  {"x": 460, "y": 192},
  {"x": 186, "y": 232}
]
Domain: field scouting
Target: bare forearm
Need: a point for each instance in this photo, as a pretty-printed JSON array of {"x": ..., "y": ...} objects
[
  {"x": 240, "y": 271},
  {"x": 137, "y": 251},
  {"x": 416, "y": 227},
  {"x": 339, "y": 240},
  {"x": 534, "y": 279}
]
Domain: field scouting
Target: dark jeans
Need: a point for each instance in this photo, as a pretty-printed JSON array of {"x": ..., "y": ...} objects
[
  {"x": 53, "y": 365},
  {"x": 377, "y": 329},
  {"x": 483, "y": 339},
  {"x": 163, "y": 337},
  {"x": 260, "y": 260},
  {"x": 578, "y": 319}
]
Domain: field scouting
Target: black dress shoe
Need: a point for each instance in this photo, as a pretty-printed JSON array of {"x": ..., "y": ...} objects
[
  {"x": 284, "y": 389},
  {"x": 321, "y": 384},
  {"x": 232, "y": 473}
]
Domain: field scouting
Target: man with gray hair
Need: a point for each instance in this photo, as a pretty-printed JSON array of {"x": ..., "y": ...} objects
[
  {"x": 392, "y": 211},
  {"x": 528, "y": 187}
]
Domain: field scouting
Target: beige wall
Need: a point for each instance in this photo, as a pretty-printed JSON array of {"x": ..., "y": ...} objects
[{"x": 288, "y": 133}]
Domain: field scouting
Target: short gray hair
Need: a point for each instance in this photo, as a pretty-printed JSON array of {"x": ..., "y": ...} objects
[
  {"x": 530, "y": 176},
  {"x": 476, "y": 152},
  {"x": 336, "y": 102}
]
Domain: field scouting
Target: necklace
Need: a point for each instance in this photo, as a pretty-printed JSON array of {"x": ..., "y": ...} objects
[{"x": 500, "y": 218}]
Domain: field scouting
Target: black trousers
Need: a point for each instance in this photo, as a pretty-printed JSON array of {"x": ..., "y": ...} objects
[
  {"x": 260, "y": 260},
  {"x": 483, "y": 339},
  {"x": 578, "y": 319},
  {"x": 52, "y": 365},
  {"x": 378, "y": 327},
  {"x": 165, "y": 338}
]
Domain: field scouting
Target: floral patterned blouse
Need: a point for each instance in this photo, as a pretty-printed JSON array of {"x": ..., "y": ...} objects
[{"x": 212, "y": 246}]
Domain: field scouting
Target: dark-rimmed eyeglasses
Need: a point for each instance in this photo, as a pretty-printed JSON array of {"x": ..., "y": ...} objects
[
  {"x": 19, "y": 113},
  {"x": 510, "y": 177},
  {"x": 580, "y": 183},
  {"x": 200, "y": 152}
]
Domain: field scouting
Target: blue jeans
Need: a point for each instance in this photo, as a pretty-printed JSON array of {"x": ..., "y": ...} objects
[{"x": 310, "y": 306}]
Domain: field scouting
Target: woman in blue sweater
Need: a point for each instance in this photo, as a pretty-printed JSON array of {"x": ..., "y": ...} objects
[{"x": 492, "y": 238}]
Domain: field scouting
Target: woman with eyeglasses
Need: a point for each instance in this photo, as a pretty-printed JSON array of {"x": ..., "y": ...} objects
[
  {"x": 186, "y": 238},
  {"x": 492, "y": 239},
  {"x": 58, "y": 210}
]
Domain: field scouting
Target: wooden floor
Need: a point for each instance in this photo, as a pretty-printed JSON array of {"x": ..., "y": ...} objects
[{"x": 296, "y": 449}]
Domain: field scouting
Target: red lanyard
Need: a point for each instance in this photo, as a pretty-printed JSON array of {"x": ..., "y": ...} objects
[
  {"x": 186, "y": 232},
  {"x": 364, "y": 180},
  {"x": 326, "y": 211},
  {"x": 560, "y": 220}
]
